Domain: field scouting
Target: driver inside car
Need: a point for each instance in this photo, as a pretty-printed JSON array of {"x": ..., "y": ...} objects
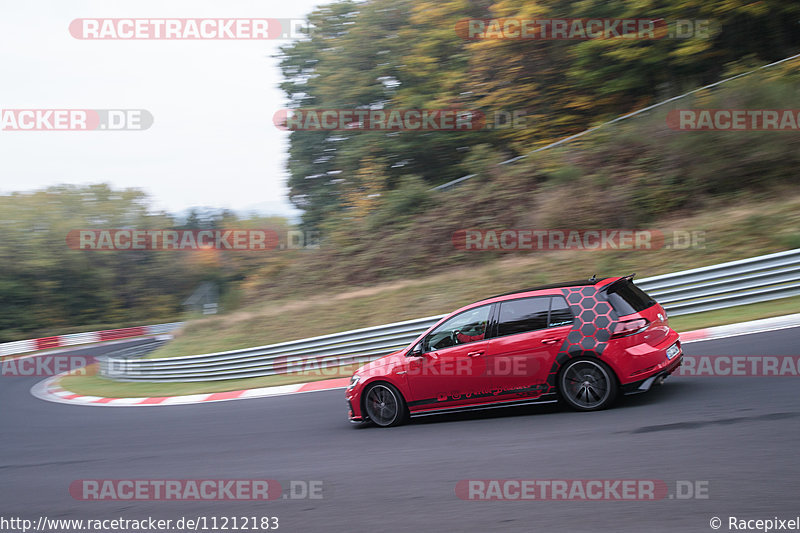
[
  {"x": 469, "y": 327},
  {"x": 471, "y": 333}
]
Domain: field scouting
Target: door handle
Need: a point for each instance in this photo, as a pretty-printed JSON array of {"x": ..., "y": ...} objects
[
  {"x": 550, "y": 341},
  {"x": 475, "y": 354}
]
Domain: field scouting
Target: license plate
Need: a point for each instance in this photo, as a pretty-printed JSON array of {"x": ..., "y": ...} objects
[{"x": 672, "y": 351}]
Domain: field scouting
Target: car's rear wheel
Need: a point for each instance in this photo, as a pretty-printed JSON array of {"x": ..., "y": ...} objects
[
  {"x": 385, "y": 405},
  {"x": 588, "y": 385}
]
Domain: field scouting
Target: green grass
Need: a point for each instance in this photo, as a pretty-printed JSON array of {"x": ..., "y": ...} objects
[{"x": 93, "y": 385}]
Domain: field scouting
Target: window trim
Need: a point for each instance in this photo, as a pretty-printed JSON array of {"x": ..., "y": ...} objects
[{"x": 550, "y": 312}]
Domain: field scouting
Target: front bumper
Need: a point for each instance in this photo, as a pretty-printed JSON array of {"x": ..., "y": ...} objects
[{"x": 352, "y": 416}]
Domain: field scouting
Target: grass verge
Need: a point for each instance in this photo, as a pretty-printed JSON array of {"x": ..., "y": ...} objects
[
  {"x": 94, "y": 385},
  {"x": 747, "y": 229}
]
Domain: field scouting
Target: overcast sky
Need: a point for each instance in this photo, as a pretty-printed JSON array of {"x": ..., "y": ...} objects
[{"x": 212, "y": 142}]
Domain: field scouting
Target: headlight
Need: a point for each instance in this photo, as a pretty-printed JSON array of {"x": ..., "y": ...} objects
[{"x": 354, "y": 381}]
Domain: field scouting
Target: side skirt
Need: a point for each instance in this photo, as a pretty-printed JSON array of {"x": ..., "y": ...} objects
[{"x": 498, "y": 405}]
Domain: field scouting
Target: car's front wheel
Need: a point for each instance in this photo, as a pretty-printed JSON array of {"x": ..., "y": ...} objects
[
  {"x": 385, "y": 405},
  {"x": 588, "y": 385}
]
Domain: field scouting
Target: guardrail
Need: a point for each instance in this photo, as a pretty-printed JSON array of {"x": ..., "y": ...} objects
[
  {"x": 75, "y": 339},
  {"x": 747, "y": 281},
  {"x": 357, "y": 346},
  {"x": 757, "y": 279}
]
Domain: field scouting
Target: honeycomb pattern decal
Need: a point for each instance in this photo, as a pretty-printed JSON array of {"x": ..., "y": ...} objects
[{"x": 594, "y": 318}]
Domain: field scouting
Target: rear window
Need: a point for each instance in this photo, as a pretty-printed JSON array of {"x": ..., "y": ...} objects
[
  {"x": 520, "y": 316},
  {"x": 626, "y": 298}
]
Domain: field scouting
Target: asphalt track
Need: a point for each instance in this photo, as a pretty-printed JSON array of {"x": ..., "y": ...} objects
[{"x": 740, "y": 435}]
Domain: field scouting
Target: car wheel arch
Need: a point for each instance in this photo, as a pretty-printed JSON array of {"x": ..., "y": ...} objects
[
  {"x": 591, "y": 356},
  {"x": 381, "y": 380},
  {"x": 572, "y": 398}
]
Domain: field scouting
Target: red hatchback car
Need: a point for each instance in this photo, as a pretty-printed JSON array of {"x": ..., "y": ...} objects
[{"x": 582, "y": 342}]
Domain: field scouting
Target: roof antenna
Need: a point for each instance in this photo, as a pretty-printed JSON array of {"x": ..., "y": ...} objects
[{"x": 593, "y": 278}]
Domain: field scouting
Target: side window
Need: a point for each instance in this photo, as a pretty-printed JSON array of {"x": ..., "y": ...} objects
[
  {"x": 520, "y": 316},
  {"x": 469, "y": 326},
  {"x": 560, "y": 314}
]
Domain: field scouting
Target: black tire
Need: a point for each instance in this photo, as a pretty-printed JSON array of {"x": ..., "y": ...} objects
[
  {"x": 587, "y": 384},
  {"x": 384, "y": 405}
]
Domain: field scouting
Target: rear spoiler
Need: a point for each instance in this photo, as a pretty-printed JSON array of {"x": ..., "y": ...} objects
[{"x": 624, "y": 278}]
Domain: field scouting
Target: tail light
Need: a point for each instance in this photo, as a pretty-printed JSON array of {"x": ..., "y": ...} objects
[{"x": 629, "y": 327}]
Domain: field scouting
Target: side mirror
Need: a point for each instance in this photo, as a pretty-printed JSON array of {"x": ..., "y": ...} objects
[{"x": 416, "y": 351}]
